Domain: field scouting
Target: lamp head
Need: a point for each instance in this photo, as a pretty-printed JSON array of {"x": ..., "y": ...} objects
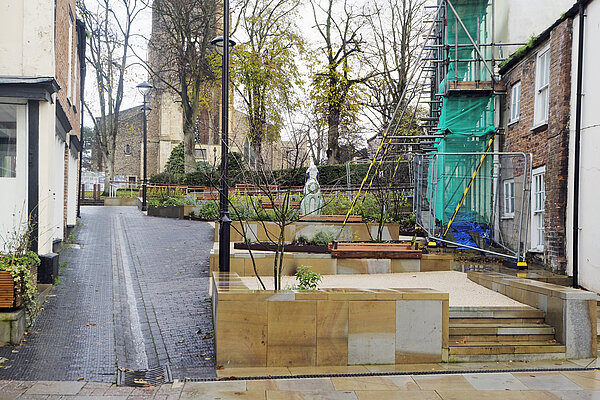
[
  {"x": 219, "y": 42},
  {"x": 144, "y": 88}
]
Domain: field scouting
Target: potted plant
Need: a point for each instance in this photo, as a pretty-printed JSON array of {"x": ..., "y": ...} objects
[{"x": 18, "y": 276}]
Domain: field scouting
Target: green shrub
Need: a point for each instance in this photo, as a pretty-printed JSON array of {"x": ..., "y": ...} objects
[
  {"x": 307, "y": 279},
  {"x": 208, "y": 209}
]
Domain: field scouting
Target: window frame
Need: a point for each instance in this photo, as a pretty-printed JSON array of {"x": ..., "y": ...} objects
[
  {"x": 538, "y": 209},
  {"x": 516, "y": 87},
  {"x": 542, "y": 86},
  {"x": 70, "y": 58},
  {"x": 508, "y": 198}
]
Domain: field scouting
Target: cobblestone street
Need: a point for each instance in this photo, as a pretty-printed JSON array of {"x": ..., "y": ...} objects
[{"x": 133, "y": 293}]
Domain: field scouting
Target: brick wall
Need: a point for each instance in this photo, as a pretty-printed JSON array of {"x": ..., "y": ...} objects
[{"x": 549, "y": 143}]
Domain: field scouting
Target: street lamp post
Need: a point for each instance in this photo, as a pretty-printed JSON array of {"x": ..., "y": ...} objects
[
  {"x": 223, "y": 43},
  {"x": 144, "y": 89}
]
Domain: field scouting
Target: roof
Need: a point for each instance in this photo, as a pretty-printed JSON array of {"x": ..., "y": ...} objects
[{"x": 542, "y": 37}]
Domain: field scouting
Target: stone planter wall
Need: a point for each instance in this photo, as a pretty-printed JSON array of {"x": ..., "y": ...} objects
[
  {"x": 121, "y": 201},
  {"x": 242, "y": 264},
  {"x": 572, "y": 312},
  {"x": 326, "y": 327},
  {"x": 266, "y": 231}
]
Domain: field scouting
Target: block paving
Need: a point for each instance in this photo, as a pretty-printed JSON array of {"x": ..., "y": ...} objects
[{"x": 86, "y": 330}]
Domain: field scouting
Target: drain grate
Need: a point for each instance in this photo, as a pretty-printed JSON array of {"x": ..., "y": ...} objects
[{"x": 146, "y": 377}]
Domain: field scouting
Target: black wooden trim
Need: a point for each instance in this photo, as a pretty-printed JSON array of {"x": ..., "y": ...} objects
[
  {"x": 33, "y": 171},
  {"x": 29, "y": 88},
  {"x": 62, "y": 119},
  {"x": 75, "y": 142}
]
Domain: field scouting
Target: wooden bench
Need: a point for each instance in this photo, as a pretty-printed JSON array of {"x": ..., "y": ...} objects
[{"x": 374, "y": 250}]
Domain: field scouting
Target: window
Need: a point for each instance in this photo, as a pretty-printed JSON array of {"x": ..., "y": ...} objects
[
  {"x": 542, "y": 84},
  {"x": 538, "y": 207},
  {"x": 200, "y": 154},
  {"x": 515, "y": 102},
  {"x": 8, "y": 140},
  {"x": 509, "y": 198},
  {"x": 70, "y": 55}
]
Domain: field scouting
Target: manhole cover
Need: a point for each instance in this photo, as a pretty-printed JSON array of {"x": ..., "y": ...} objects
[{"x": 146, "y": 377}]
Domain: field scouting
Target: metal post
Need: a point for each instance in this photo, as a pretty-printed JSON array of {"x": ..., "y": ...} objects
[
  {"x": 144, "y": 183},
  {"x": 224, "y": 220}
]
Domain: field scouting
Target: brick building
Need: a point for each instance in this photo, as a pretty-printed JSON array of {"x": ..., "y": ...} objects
[
  {"x": 42, "y": 48},
  {"x": 128, "y": 147},
  {"x": 536, "y": 117}
]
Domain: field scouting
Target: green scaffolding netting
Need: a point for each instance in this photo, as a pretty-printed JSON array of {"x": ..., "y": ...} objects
[
  {"x": 467, "y": 122},
  {"x": 449, "y": 175},
  {"x": 465, "y": 61}
]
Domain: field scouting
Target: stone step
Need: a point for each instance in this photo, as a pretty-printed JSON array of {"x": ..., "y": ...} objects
[
  {"x": 468, "y": 339},
  {"x": 501, "y": 348},
  {"x": 511, "y": 321},
  {"x": 500, "y": 329},
  {"x": 499, "y": 314}
]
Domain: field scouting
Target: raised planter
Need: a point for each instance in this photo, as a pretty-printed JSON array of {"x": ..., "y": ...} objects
[
  {"x": 166, "y": 211},
  {"x": 9, "y": 298},
  {"x": 336, "y": 327},
  {"x": 288, "y": 247},
  {"x": 374, "y": 250}
]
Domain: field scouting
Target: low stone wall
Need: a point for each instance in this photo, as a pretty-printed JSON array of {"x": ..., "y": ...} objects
[
  {"x": 12, "y": 327},
  {"x": 267, "y": 231},
  {"x": 121, "y": 201},
  {"x": 326, "y": 327},
  {"x": 572, "y": 312},
  {"x": 243, "y": 264}
]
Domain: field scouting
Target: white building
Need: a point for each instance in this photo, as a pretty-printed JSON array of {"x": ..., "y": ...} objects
[{"x": 41, "y": 58}]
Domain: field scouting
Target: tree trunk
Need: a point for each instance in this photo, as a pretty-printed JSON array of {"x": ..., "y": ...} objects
[
  {"x": 333, "y": 135},
  {"x": 189, "y": 143},
  {"x": 109, "y": 172}
]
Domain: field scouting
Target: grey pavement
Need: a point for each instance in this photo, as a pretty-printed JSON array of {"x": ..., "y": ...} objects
[{"x": 133, "y": 294}]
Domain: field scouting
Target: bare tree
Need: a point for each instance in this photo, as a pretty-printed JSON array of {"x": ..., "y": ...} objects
[
  {"x": 396, "y": 29},
  {"x": 180, "y": 61},
  {"x": 109, "y": 24},
  {"x": 335, "y": 86}
]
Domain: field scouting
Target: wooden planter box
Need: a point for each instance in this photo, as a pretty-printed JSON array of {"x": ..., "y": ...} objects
[
  {"x": 373, "y": 250},
  {"x": 294, "y": 248},
  {"x": 329, "y": 218},
  {"x": 9, "y": 298}
]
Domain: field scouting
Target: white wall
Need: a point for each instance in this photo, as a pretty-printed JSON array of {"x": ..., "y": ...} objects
[
  {"x": 47, "y": 179},
  {"x": 589, "y": 211},
  {"x": 27, "y": 38},
  {"x": 72, "y": 195},
  {"x": 58, "y": 191},
  {"x": 517, "y": 20}
]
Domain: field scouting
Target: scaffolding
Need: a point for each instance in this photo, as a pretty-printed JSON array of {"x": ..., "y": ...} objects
[
  {"x": 458, "y": 176},
  {"x": 471, "y": 200}
]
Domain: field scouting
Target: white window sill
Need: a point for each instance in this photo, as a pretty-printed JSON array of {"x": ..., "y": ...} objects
[
  {"x": 508, "y": 216},
  {"x": 539, "y": 125},
  {"x": 510, "y": 123},
  {"x": 537, "y": 250}
]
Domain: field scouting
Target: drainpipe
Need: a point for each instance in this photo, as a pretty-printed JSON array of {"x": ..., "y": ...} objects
[{"x": 577, "y": 148}]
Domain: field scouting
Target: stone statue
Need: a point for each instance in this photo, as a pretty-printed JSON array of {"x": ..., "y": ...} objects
[{"x": 312, "y": 202}]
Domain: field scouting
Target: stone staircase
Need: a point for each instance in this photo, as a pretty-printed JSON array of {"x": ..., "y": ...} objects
[
  {"x": 92, "y": 202},
  {"x": 501, "y": 334}
]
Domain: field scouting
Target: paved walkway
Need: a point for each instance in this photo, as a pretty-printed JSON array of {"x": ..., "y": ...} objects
[
  {"x": 133, "y": 294},
  {"x": 574, "y": 385}
]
